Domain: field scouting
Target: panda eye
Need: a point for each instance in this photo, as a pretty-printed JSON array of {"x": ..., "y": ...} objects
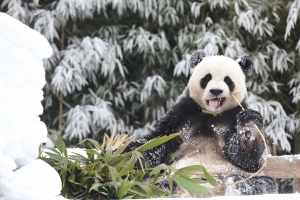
[
  {"x": 205, "y": 80},
  {"x": 229, "y": 82}
]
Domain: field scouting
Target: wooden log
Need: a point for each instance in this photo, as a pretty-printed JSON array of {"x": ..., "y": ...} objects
[
  {"x": 287, "y": 166},
  {"x": 296, "y": 185},
  {"x": 283, "y": 166}
]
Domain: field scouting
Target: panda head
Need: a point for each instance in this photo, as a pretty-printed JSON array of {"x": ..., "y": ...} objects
[{"x": 216, "y": 78}]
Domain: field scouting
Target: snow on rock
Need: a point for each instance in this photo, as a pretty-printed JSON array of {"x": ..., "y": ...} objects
[
  {"x": 22, "y": 78},
  {"x": 44, "y": 181}
]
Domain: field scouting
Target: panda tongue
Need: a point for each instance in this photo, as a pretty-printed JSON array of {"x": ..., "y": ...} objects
[{"x": 212, "y": 104}]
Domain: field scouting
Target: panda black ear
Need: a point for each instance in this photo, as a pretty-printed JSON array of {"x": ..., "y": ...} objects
[
  {"x": 197, "y": 57},
  {"x": 246, "y": 65}
]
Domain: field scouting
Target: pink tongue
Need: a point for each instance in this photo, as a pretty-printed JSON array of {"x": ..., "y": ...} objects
[{"x": 212, "y": 104}]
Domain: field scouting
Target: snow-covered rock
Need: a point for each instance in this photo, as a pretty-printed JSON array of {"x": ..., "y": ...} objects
[{"x": 22, "y": 78}]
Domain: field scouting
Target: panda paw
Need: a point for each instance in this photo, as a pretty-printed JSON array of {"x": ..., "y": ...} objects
[
  {"x": 249, "y": 128},
  {"x": 249, "y": 115}
]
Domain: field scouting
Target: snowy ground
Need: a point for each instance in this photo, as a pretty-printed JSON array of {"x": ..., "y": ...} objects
[
  {"x": 256, "y": 197},
  {"x": 22, "y": 78}
]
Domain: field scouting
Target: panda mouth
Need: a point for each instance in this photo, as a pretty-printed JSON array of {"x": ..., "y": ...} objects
[{"x": 214, "y": 103}]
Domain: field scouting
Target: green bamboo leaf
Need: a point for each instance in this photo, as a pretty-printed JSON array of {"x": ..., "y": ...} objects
[
  {"x": 54, "y": 156},
  {"x": 61, "y": 146},
  {"x": 155, "y": 179},
  {"x": 53, "y": 140},
  {"x": 190, "y": 170},
  {"x": 128, "y": 168},
  {"x": 85, "y": 181},
  {"x": 119, "y": 161},
  {"x": 51, "y": 149},
  {"x": 64, "y": 173},
  {"x": 123, "y": 189},
  {"x": 129, "y": 197},
  {"x": 113, "y": 175},
  {"x": 94, "y": 142},
  {"x": 93, "y": 152},
  {"x": 157, "y": 169},
  {"x": 209, "y": 178},
  {"x": 170, "y": 181},
  {"x": 191, "y": 187},
  {"x": 121, "y": 149},
  {"x": 137, "y": 192},
  {"x": 96, "y": 186},
  {"x": 108, "y": 155},
  {"x": 147, "y": 189},
  {"x": 156, "y": 142}
]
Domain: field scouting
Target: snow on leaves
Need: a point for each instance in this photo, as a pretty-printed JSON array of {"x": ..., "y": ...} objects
[{"x": 292, "y": 17}]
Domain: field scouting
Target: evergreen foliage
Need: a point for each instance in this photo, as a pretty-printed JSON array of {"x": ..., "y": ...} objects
[{"x": 124, "y": 62}]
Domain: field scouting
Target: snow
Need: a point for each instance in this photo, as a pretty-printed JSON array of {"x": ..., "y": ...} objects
[
  {"x": 22, "y": 78},
  {"x": 295, "y": 196}
]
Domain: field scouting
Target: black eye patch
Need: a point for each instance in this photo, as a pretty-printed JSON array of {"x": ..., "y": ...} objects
[
  {"x": 230, "y": 83},
  {"x": 205, "y": 80}
]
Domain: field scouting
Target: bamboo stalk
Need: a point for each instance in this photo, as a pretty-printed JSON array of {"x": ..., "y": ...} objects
[{"x": 60, "y": 109}]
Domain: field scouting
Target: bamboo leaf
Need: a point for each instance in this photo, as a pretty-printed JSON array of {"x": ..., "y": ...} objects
[
  {"x": 156, "y": 142},
  {"x": 209, "y": 178},
  {"x": 121, "y": 149},
  {"x": 119, "y": 161},
  {"x": 61, "y": 146},
  {"x": 96, "y": 186},
  {"x": 191, "y": 187},
  {"x": 190, "y": 170},
  {"x": 51, "y": 149},
  {"x": 108, "y": 155},
  {"x": 123, "y": 189},
  {"x": 147, "y": 189},
  {"x": 158, "y": 169},
  {"x": 94, "y": 142},
  {"x": 113, "y": 174},
  {"x": 53, "y": 140}
]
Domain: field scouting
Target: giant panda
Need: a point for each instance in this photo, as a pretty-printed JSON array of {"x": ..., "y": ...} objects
[{"x": 215, "y": 131}]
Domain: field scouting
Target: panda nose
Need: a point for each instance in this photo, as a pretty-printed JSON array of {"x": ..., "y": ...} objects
[{"x": 216, "y": 92}]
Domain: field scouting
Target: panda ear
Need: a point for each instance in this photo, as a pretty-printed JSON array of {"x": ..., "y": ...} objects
[
  {"x": 246, "y": 65},
  {"x": 197, "y": 57}
]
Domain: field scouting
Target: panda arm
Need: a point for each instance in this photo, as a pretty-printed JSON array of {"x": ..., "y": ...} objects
[
  {"x": 245, "y": 145},
  {"x": 169, "y": 124}
]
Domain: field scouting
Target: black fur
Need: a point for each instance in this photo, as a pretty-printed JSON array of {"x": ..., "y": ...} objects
[
  {"x": 246, "y": 65},
  {"x": 204, "y": 81},
  {"x": 197, "y": 57},
  {"x": 230, "y": 83}
]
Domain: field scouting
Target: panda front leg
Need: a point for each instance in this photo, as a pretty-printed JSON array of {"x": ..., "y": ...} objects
[
  {"x": 245, "y": 146},
  {"x": 254, "y": 186}
]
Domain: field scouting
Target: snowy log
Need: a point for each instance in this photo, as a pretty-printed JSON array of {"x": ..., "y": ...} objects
[
  {"x": 283, "y": 166},
  {"x": 287, "y": 166}
]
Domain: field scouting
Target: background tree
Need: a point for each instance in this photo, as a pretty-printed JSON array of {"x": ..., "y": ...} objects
[{"x": 124, "y": 62}]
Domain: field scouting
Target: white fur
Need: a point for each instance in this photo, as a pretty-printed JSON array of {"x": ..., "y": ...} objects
[{"x": 219, "y": 67}]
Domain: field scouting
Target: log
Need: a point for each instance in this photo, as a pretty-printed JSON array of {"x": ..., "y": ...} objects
[
  {"x": 287, "y": 166},
  {"x": 296, "y": 185}
]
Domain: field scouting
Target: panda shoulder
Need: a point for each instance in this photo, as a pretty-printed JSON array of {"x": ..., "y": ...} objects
[{"x": 184, "y": 95}]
